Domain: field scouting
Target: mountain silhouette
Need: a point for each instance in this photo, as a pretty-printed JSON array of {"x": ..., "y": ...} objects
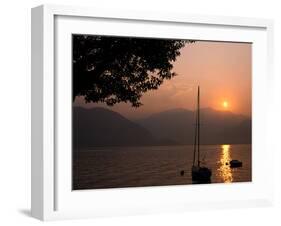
[
  {"x": 102, "y": 127},
  {"x": 98, "y": 127},
  {"x": 217, "y": 127}
]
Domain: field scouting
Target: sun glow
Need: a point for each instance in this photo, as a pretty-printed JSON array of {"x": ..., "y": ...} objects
[{"x": 225, "y": 104}]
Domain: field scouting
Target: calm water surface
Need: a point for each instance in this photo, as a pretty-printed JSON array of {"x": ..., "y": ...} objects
[{"x": 156, "y": 165}]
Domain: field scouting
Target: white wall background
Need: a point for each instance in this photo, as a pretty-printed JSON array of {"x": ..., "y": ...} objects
[{"x": 15, "y": 112}]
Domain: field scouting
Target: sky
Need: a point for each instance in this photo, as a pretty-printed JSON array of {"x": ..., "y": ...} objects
[{"x": 222, "y": 69}]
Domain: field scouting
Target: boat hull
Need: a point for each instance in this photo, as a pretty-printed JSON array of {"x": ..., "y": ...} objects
[
  {"x": 235, "y": 164},
  {"x": 201, "y": 174}
]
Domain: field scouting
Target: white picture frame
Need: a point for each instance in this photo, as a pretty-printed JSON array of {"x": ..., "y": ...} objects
[{"x": 52, "y": 197}]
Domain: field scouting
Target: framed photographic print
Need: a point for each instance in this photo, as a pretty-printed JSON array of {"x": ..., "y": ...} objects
[{"x": 136, "y": 112}]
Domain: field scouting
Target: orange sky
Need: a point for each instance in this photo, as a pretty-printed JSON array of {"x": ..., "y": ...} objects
[{"x": 222, "y": 69}]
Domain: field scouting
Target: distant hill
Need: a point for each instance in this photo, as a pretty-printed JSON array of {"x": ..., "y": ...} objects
[
  {"x": 102, "y": 127},
  {"x": 217, "y": 127}
]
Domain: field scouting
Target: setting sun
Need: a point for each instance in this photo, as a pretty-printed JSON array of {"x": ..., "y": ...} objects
[{"x": 225, "y": 104}]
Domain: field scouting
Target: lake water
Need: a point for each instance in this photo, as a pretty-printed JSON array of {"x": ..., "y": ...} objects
[{"x": 156, "y": 165}]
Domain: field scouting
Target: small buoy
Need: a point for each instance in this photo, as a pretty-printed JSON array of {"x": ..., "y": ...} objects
[{"x": 182, "y": 172}]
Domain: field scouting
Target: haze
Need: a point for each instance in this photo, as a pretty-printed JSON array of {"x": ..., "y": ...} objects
[{"x": 222, "y": 69}]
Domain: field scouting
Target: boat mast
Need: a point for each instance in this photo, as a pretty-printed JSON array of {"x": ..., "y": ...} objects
[
  {"x": 195, "y": 139},
  {"x": 198, "y": 126}
]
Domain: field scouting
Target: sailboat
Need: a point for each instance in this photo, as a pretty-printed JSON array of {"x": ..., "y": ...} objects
[{"x": 200, "y": 174}]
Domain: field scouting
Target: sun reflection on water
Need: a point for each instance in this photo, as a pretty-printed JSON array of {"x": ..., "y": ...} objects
[{"x": 224, "y": 169}]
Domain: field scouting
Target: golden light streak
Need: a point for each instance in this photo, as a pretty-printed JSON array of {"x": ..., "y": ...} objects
[{"x": 225, "y": 170}]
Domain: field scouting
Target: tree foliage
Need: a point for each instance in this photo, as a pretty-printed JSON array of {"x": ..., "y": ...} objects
[{"x": 121, "y": 69}]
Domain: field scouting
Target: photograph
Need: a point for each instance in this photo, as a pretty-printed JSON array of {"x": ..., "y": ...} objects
[{"x": 152, "y": 111}]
